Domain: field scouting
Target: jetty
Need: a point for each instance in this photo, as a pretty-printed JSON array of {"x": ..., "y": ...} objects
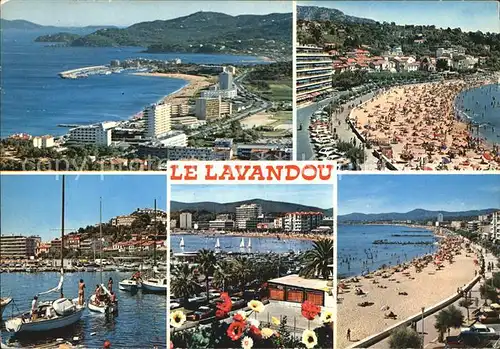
[{"x": 82, "y": 72}]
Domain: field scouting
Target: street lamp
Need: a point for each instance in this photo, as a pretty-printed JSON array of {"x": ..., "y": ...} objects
[{"x": 423, "y": 333}]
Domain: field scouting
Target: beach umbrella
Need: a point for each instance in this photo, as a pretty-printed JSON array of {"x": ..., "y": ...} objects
[
  {"x": 487, "y": 156},
  {"x": 445, "y": 160},
  {"x": 427, "y": 168}
]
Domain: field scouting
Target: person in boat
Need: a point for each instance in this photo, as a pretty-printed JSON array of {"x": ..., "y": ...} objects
[
  {"x": 98, "y": 294},
  {"x": 110, "y": 284},
  {"x": 34, "y": 308},
  {"x": 81, "y": 292},
  {"x": 136, "y": 275},
  {"x": 113, "y": 297}
]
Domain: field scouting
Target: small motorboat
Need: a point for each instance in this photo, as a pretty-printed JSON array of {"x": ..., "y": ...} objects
[
  {"x": 156, "y": 285},
  {"x": 4, "y": 302},
  {"x": 105, "y": 305},
  {"x": 129, "y": 285}
]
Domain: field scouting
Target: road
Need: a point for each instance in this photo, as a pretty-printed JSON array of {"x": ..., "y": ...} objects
[
  {"x": 257, "y": 106},
  {"x": 430, "y": 333}
]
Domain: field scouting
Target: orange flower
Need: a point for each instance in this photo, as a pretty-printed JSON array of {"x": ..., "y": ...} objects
[
  {"x": 255, "y": 331},
  {"x": 235, "y": 330},
  {"x": 225, "y": 306},
  {"x": 310, "y": 310}
]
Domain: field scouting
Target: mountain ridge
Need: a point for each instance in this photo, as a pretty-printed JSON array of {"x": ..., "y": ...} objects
[
  {"x": 268, "y": 206},
  {"x": 414, "y": 215},
  {"x": 317, "y": 13}
]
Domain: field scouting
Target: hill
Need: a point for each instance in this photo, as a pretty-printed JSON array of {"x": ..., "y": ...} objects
[
  {"x": 315, "y": 13},
  {"x": 204, "y": 32},
  {"x": 414, "y": 215},
  {"x": 267, "y": 206},
  {"x": 59, "y": 37},
  {"x": 18, "y": 24}
]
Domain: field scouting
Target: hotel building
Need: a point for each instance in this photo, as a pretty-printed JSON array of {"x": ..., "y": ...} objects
[
  {"x": 99, "y": 134},
  {"x": 314, "y": 73},
  {"x": 247, "y": 216},
  {"x": 212, "y": 108},
  {"x": 157, "y": 118},
  {"x": 186, "y": 220},
  {"x": 18, "y": 246},
  {"x": 302, "y": 221}
]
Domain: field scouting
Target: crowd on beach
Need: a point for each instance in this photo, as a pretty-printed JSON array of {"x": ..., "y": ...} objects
[
  {"x": 418, "y": 127},
  {"x": 265, "y": 234},
  {"x": 381, "y": 298}
]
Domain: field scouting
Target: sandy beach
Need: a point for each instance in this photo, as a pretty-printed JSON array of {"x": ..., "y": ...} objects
[
  {"x": 419, "y": 123},
  {"x": 402, "y": 290},
  {"x": 182, "y": 96}
]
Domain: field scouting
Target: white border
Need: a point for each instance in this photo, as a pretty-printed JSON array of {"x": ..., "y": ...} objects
[{"x": 294, "y": 79}]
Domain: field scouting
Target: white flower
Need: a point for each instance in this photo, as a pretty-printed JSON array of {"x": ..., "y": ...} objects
[
  {"x": 309, "y": 339},
  {"x": 247, "y": 343},
  {"x": 327, "y": 316},
  {"x": 177, "y": 318}
]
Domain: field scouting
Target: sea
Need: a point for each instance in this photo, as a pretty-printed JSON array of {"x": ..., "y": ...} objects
[
  {"x": 140, "y": 323},
  {"x": 232, "y": 244},
  {"x": 34, "y": 99},
  {"x": 482, "y": 106},
  {"x": 357, "y": 254}
]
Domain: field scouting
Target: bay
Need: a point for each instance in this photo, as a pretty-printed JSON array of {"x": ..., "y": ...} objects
[{"x": 35, "y": 99}]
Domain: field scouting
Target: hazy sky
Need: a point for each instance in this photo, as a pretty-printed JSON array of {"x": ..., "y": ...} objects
[
  {"x": 467, "y": 15},
  {"x": 31, "y": 204},
  {"x": 313, "y": 195},
  {"x": 403, "y": 193},
  {"x": 126, "y": 12}
]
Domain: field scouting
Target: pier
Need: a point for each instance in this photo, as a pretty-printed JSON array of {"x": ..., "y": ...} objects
[{"x": 81, "y": 72}]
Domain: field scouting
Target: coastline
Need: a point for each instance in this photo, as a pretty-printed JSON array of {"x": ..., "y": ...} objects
[
  {"x": 402, "y": 289},
  {"x": 194, "y": 83},
  {"x": 305, "y": 237},
  {"x": 435, "y": 124}
]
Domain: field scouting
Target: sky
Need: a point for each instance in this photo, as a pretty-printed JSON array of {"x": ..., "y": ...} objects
[
  {"x": 31, "y": 204},
  {"x": 467, "y": 15},
  {"x": 318, "y": 195},
  {"x": 403, "y": 193},
  {"x": 78, "y": 13}
]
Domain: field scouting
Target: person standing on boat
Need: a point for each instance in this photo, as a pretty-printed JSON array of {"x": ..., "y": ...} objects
[
  {"x": 34, "y": 307},
  {"x": 81, "y": 292},
  {"x": 110, "y": 284}
]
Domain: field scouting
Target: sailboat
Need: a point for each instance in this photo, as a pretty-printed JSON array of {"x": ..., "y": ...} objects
[
  {"x": 181, "y": 245},
  {"x": 154, "y": 284},
  {"x": 242, "y": 243},
  {"x": 105, "y": 305},
  {"x": 217, "y": 244},
  {"x": 52, "y": 314},
  {"x": 249, "y": 246}
]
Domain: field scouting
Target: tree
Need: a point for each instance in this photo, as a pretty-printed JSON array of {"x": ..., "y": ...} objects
[
  {"x": 207, "y": 261},
  {"x": 317, "y": 260},
  {"x": 405, "y": 337},
  {"x": 442, "y": 64},
  {"x": 184, "y": 282},
  {"x": 465, "y": 303},
  {"x": 450, "y": 317},
  {"x": 487, "y": 291}
]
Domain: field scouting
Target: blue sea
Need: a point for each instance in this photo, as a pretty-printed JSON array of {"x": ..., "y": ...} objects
[
  {"x": 35, "y": 99},
  {"x": 232, "y": 244},
  {"x": 141, "y": 321},
  {"x": 482, "y": 106},
  {"x": 356, "y": 252}
]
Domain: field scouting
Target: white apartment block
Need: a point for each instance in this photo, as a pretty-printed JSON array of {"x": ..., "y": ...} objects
[
  {"x": 215, "y": 93},
  {"x": 186, "y": 220},
  {"x": 43, "y": 142},
  {"x": 157, "y": 118},
  {"x": 314, "y": 73},
  {"x": 212, "y": 108},
  {"x": 99, "y": 134},
  {"x": 18, "y": 246},
  {"x": 302, "y": 221}
]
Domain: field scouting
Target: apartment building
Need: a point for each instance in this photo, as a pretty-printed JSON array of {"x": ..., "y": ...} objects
[
  {"x": 124, "y": 221},
  {"x": 221, "y": 224},
  {"x": 18, "y": 246},
  {"x": 212, "y": 108},
  {"x": 247, "y": 216},
  {"x": 46, "y": 141},
  {"x": 186, "y": 220},
  {"x": 302, "y": 221},
  {"x": 98, "y": 134},
  {"x": 314, "y": 73},
  {"x": 157, "y": 118}
]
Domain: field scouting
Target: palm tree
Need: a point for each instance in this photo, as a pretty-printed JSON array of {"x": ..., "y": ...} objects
[
  {"x": 405, "y": 337},
  {"x": 207, "y": 261},
  {"x": 184, "y": 282},
  {"x": 241, "y": 271},
  {"x": 465, "y": 303},
  {"x": 450, "y": 317},
  {"x": 317, "y": 260}
]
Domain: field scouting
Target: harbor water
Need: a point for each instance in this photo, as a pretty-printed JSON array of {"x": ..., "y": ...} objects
[
  {"x": 140, "y": 323},
  {"x": 356, "y": 252},
  {"x": 35, "y": 99},
  {"x": 482, "y": 106},
  {"x": 232, "y": 244}
]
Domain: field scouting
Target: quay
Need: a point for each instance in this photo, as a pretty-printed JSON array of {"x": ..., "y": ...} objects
[{"x": 75, "y": 73}]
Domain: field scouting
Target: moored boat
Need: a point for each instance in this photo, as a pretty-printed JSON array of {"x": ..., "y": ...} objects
[
  {"x": 129, "y": 285},
  {"x": 4, "y": 302}
]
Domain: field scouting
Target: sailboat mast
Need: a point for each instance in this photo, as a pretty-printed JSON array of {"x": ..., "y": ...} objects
[
  {"x": 100, "y": 235},
  {"x": 156, "y": 233},
  {"x": 62, "y": 230}
]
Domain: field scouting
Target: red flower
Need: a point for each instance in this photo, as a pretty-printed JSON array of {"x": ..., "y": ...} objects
[
  {"x": 225, "y": 306},
  {"x": 310, "y": 310},
  {"x": 255, "y": 331},
  {"x": 235, "y": 330},
  {"x": 238, "y": 317}
]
